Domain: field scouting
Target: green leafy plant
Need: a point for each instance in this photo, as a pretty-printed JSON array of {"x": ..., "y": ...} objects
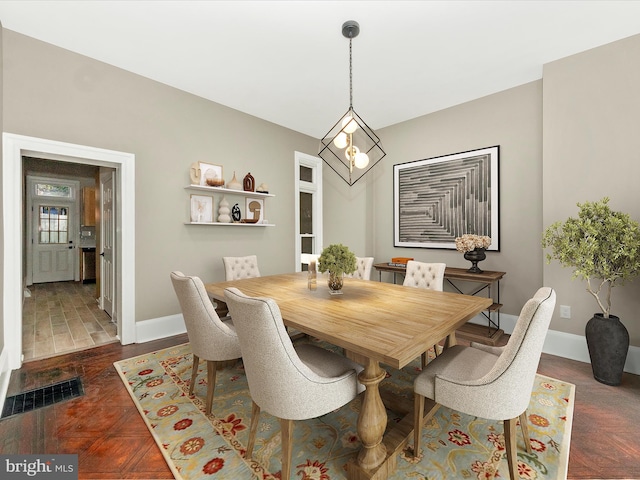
[
  {"x": 338, "y": 259},
  {"x": 601, "y": 245}
]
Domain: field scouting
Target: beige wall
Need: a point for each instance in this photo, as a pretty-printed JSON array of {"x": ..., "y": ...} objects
[
  {"x": 56, "y": 94},
  {"x": 592, "y": 150},
  {"x": 589, "y": 127},
  {"x": 511, "y": 119}
]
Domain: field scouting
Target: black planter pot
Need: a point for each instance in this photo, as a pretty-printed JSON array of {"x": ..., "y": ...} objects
[{"x": 608, "y": 342}]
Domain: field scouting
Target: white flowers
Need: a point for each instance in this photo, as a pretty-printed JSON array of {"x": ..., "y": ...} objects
[{"x": 469, "y": 242}]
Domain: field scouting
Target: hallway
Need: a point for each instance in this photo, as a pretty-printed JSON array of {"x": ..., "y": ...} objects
[{"x": 63, "y": 317}]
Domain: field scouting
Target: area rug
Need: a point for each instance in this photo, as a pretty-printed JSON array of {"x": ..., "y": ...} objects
[{"x": 198, "y": 446}]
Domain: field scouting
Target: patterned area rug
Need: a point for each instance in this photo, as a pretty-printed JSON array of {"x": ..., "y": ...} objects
[{"x": 197, "y": 446}]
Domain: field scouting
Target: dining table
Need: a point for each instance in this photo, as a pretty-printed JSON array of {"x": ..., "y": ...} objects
[{"x": 376, "y": 324}]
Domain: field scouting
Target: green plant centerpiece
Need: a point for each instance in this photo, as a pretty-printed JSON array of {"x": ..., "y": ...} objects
[
  {"x": 336, "y": 259},
  {"x": 603, "y": 248}
]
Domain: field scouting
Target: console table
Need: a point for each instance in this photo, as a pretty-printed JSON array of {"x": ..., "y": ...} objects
[{"x": 492, "y": 332}]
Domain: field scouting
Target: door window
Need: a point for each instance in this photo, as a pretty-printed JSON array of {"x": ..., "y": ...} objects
[{"x": 53, "y": 224}]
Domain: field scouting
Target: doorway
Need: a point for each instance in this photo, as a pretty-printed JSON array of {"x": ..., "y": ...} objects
[
  {"x": 15, "y": 147},
  {"x": 61, "y": 311}
]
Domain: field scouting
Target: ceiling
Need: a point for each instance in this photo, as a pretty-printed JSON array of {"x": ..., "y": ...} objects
[{"x": 287, "y": 61}]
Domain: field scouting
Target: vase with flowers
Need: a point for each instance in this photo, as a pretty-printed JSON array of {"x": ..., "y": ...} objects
[
  {"x": 473, "y": 247},
  {"x": 336, "y": 259}
]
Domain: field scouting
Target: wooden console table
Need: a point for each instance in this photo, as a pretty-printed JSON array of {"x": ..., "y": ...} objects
[{"x": 489, "y": 334}]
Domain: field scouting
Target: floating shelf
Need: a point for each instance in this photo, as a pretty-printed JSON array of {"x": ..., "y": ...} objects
[
  {"x": 232, "y": 224},
  {"x": 206, "y": 188}
]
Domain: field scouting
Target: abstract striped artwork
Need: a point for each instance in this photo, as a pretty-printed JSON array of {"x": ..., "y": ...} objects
[{"x": 441, "y": 198}]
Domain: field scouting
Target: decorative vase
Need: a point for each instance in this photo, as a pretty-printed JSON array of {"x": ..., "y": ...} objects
[
  {"x": 234, "y": 184},
  {"x": 608, "y": 343},
  {"x": 475, "y": 256},
  {"x": 223, "y": 211},
  {"x": 335, "y": 282}
]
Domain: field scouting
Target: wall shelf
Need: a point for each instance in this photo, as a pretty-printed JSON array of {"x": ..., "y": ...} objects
[
  {"x": 232, "y": 224},
  {"x": 206, "y": 188},
  {"x": 230, "y": 192}
]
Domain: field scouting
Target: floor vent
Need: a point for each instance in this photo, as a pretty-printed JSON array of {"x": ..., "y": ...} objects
[{"x": 42, "y": 397}]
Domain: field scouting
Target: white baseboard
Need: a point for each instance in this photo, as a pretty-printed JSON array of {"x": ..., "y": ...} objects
[
  {"x": 157, "y": 328},
  {"x": 567, "y": 345}
]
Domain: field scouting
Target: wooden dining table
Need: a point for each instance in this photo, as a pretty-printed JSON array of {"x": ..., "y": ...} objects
[{"x": 376, "y": 324}]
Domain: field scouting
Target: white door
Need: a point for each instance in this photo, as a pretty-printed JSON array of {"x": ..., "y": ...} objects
[
  {"x": 53, "y": 250},
  {"x": 108, "y": 225}
]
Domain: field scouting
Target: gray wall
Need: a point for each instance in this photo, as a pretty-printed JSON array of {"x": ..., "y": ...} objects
[
  {"x": 592, "y": 150},
  {"x": 56, "y": 94},
  {"x": 585, "y": 117},
  {"x": 511, "y": 119}
]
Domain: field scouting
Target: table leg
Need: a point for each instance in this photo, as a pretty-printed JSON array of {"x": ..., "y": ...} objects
[{"x": 372, "y": 421}]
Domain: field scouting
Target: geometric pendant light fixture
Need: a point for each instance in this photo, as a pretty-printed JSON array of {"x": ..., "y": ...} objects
[{"x": 351, "y": 148}]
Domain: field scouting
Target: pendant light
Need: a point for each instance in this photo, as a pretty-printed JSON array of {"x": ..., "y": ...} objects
[{"x": 351, "y": 148}]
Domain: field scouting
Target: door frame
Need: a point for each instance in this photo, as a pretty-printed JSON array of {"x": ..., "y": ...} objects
[{"x": 14, "y": 147}]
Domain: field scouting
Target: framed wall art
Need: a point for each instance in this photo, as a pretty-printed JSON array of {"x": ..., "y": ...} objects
[
  {"x": 201, "y": 208},
  {"x": 211, "y": 175},
  {"x": 441, "y": 198}
]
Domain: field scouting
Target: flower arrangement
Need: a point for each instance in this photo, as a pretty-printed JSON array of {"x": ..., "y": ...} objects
[
  {"x": 469, "y": 242},
  {"x": 337, "y": 259}
]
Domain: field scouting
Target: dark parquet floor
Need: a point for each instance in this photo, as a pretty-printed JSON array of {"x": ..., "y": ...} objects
[{"x": 112, "y": 442}]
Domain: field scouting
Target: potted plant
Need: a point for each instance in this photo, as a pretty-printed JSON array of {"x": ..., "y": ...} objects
[
  {"x": 337, "y": 259},
  {"x": 603, "y": 248}
]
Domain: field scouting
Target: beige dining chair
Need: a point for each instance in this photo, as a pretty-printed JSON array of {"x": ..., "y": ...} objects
[
  {"x": 490, "y": 382},
  {"x": 290, "y": 383},
  {"x": 237, "y": 268},
  {"x": 425, "y": 275},
  {"x": 363, "y": 271},
  {"x": 210, "y": 338}
]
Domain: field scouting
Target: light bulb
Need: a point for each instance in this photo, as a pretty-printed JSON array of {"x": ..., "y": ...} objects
[
  {"x": 361, "y": 160},
  {"x": 341, "y": 140},
  {"x": 351, "y": 153},
  {"x": 349, "y": 125}
]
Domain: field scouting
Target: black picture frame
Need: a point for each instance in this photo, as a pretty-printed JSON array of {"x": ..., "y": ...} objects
[{"x": 438, "y": 199}]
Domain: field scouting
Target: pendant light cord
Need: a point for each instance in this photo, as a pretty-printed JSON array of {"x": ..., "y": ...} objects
[{"x": 350, "y": 78}]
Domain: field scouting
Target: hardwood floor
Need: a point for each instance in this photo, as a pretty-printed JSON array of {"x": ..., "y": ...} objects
[{"x": 111, "y": 440}]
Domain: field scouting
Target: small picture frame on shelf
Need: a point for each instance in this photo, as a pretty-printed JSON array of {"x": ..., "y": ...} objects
[
  {"x": 201, "y": 209},
  {"x": 211, "y": 175},
  {"x": 254, "y": 209}
]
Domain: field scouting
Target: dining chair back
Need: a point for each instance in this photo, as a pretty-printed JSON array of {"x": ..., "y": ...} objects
[
  {"x": 490, "y": 382},
  {"x": 290, "y": 383},
  {"x": 237, "y": 268},
  {"x": 210, "y": 338},
  {"x": 363, "y": 271},
  {"x": 425, "y": 275}
]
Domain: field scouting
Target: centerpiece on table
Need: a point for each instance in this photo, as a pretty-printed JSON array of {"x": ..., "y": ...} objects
[
  {"x": 337, "y": 259},
  {"x": 473, "y": 247},
  {"x": 603, "y": 248}
]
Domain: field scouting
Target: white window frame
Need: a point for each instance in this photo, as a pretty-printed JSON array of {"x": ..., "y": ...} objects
[{"x": 315, "y": 188}]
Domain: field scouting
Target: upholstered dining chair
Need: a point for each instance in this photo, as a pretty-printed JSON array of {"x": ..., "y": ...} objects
[
  {"x": 211, "y": 339},
  {"x": 237, "y": 268},
  {"x": 425, "y": 275},
  {"x": 364, "y": 265},
  {"x": 289, "y": 383},
  {"x": 490, "y": 382}
]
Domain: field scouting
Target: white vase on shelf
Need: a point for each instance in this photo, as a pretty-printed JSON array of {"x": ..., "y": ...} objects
[{"x": 223, "y": 211}]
